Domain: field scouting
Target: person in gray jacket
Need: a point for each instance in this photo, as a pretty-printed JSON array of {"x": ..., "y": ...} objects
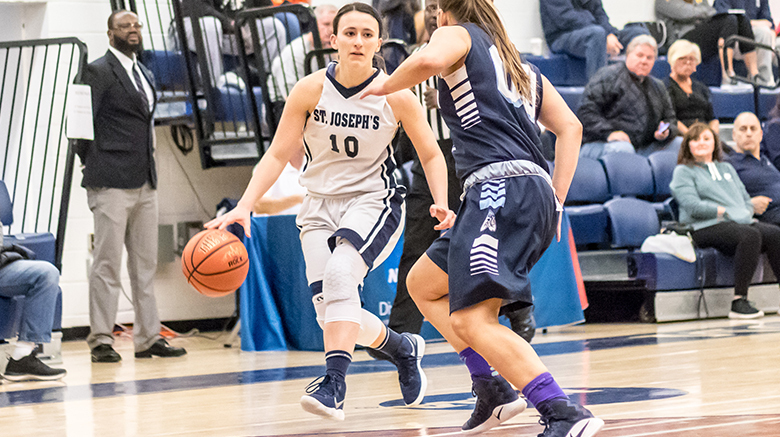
[
  {"x": 623, "y": 109},
  {"x": 712, "y": 200},
  {"x": 698, "y": 22}
]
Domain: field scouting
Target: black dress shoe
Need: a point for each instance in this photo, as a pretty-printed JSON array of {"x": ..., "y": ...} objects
[
  {"x": 161, "y": 348},
  {"x": 104, "y": 353}
]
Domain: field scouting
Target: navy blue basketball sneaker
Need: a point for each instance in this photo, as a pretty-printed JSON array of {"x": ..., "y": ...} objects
[
  {"x": 410, "y": 373},
  {"x": 564, "y": 418},
  {"x": 497, "y": 402},
  {"x": 325, "y": 397}
]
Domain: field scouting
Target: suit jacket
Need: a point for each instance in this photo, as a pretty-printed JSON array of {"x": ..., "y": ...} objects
[{"x": 122, "y": 154}]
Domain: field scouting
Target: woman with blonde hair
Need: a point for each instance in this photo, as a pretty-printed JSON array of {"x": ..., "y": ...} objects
[
  {"x": 690, "y": 98},
  {"x": 491, "y": 101}
]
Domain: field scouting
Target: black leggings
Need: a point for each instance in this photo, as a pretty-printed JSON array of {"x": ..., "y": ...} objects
[
  {"x": 707, "y": 34},
  {"x": 745, "y": 243}
]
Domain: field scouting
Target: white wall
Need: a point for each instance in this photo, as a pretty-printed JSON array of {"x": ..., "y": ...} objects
[{"x": 86, "y": 19}]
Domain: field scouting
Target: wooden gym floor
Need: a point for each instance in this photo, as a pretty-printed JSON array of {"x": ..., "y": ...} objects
[{"x": 707, "y": 378}]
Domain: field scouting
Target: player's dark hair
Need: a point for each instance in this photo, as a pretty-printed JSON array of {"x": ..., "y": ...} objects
[
  {"x": 485, "y": 15},
  {"x": 358, "y": 7}
]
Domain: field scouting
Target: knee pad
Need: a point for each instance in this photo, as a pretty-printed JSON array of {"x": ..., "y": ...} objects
[
  {"x": 370, "y": 328},
  {"x": 344, "y": 272}
]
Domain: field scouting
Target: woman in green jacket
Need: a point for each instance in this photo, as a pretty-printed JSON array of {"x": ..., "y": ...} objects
[{"x": 713, "y": 201}]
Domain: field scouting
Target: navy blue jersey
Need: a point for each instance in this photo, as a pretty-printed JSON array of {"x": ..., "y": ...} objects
[{"x": 488, "y": 119}]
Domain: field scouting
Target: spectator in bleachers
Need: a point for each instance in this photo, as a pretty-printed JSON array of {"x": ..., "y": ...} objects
[
  {"x": 581, "y": 28},
  {"x": 213, "y": 25},
  {"x": 757, "y": 173},
  {"x": 623, "y": 109},
  {"x": 690, "y": 98},
  {"x": 714, "y": 203},
  {"x": 770, "y": 145},
  {"x": 698, "y": 22},
  {"x": 288, "y": 68},
  {"x": 271, "y": 33},
  {"x": 38, "y": 282},
  {"x": 757, "y": 11}
]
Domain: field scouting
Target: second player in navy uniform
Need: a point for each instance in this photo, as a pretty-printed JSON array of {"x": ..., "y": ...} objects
[
  {"x": 352, "y": 216},
  {"x": 508, "y": 217}
]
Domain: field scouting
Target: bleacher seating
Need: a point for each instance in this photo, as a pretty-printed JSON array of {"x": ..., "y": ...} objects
[{"x": 589, "y": 190}]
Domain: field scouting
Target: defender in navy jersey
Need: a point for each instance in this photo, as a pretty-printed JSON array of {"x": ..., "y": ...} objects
[
  {"x": 491, "y": 101},
  {"x": 352, "y": 216}
]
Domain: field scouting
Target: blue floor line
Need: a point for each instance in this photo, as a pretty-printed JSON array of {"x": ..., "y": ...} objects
[{"x": 161, "y": 385}]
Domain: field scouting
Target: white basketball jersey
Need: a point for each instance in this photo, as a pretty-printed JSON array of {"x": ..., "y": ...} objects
[{"x": 348, "y": 141}]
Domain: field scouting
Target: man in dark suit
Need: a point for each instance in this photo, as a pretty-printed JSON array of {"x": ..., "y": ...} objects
[{"x": 121, "y": 182}]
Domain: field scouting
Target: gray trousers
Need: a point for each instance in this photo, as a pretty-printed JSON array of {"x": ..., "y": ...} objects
[{"x": 123, "y": 218}]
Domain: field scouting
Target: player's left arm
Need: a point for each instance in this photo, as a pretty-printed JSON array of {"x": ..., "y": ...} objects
[
  {"x": 556, "y": 116},
  {"x": 411, "y": 115}
]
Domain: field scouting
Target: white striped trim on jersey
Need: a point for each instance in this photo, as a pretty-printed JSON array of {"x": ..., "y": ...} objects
[{"x": 463, "y": 97}]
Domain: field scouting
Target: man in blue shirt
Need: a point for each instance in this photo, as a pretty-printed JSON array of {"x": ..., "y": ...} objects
[
  {"x": 581, "y": 28},
  {"x": 757, "y": 11},
  {"x": 760, "y": 177}
]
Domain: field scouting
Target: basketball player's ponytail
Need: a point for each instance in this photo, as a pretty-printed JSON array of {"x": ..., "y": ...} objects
[{"x": 485, "y": 15}]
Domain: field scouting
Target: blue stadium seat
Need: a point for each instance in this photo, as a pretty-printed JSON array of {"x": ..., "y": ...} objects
[
  {"x": 168, "y": 68},
  {"x": 560, "y": 70},
  {"x": 588, "y": 191},
  {"x": 628, "y": 174},
  {"x": 662, "y": 164},
  {"x": 631, "y": 221}
]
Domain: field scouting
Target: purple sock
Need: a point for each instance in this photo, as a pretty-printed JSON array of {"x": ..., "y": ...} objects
[
  {"x": 477, "y": 365},
  {"x": 543, "y": 388}
]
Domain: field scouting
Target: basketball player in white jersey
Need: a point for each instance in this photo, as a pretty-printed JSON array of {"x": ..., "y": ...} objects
[{"x": 353, "y": 214}]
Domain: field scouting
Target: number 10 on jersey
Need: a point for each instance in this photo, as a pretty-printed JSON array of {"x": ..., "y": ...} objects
[{"x": 350, "y": 145}]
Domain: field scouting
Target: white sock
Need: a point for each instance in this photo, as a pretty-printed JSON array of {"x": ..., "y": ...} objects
[{"x": 23, "y": 348}]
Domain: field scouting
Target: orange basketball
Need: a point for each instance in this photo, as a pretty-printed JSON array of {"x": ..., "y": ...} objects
[{"x": 215, "y": 262}]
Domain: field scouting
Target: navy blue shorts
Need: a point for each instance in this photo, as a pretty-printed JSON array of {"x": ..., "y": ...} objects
[{"x": 503, "y": 228}]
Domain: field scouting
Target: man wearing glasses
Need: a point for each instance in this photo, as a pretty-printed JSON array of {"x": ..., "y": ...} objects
[{"x": 121, "y": 182}]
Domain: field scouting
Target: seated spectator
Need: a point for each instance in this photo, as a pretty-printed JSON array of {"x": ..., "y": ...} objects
[
  {"x": 213, "y": 24},
  {"x": 272, "y": 36},
  {"x": 713, "y": 201},
  {"x": 760, "y": 177},
  {"x": 770, "y": 145},
  {"x": 757, "y": 11},
  {"x": 690, "y": 98},
  {"x": 288, "y": 68},
  {"x": 38, "y": 282},
  {"x": 286, "y": 194},
  {"x": 623, "y": 109},
  {"x": 700, "y": 23},
  {"x": 581, "y": 29}
]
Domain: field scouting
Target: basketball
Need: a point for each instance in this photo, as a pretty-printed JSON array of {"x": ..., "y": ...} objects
[{"x": 215, "y": 262}]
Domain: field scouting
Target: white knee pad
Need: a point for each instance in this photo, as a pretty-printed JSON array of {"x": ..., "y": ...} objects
[
  {"x": 370, "y": 328},
  {"x": 344, "y": 272}
]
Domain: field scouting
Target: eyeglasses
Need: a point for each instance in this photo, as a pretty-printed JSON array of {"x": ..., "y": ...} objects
[{"x": 126, "y": 26}]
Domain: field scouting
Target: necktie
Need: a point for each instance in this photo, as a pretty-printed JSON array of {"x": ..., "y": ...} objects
[{"x": 139, "y": 83}]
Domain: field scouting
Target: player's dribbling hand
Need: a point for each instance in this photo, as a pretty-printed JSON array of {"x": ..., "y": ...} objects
[
  {"x": 238, "y": 215},
  {"x": 445, "y": 217}
]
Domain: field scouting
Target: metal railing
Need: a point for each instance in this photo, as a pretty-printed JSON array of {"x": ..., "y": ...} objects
[{"x": 37, "y": 158}]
